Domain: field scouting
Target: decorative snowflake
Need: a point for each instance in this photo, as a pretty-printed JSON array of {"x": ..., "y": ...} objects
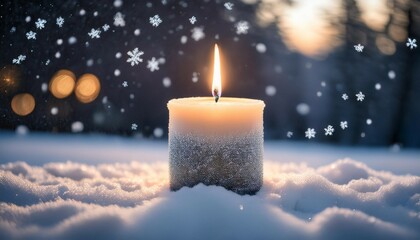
[
  {"x": 153, "y": 64},
  {"x": 134, "y": 56},
  {"x": 105, "y": 27},
  {"x": 155, "y": 20},
  {"x": 119, "y": 20},
  {"x": 310, "y": 133},
  {"x": 40, "y": 23},
  {"x": 343, "y": 125},
  {"x": 411, "y": 43},
  {"x": 197, "y": 33},
  {"x": 193, "y": 19},
  {"x": 94, "y": 33},
  {"x": 289, "y": 134},
  {"x": 31, "y": 35},
  {"x": 360, "y": 96},
  {"x": 344, "y": 96},
  {"x": 19, "y": 59},
  {"x": 59, "y": 21},
  {"x": 134, "y": 126},
  {"x": 359, "y": 47},
  {"x": 125, "y": 84},
  {"x": 228, "y": 6},
  {"x": 242, "y": 27},
  {"x": 329, "y": 130}
]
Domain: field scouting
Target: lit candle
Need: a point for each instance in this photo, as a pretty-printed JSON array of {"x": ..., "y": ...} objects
[{"x": 216, "y": 140}]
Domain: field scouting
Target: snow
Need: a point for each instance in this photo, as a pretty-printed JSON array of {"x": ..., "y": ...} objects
[
  {"x": 119, "y": 20},
  {"x": 329, "y": 130},
  {"x": 359, "y": 47},
  {"x": 59, "y": 21},
  {"x": 153, "y": 64},
  {"x": 155, "y": 20},
  {"x": 360, "y": 96},
  {"x": 228, "y": 5},
  {"x": 134, "y": 56},
  {"x": 411, "y": 43},
  {"x": 242, "y": 27},
  {"x": 31, "y": 35},
  {"x": 19, "y": 59},
  {"x": 192, "y": 19},
  {"x": 310, "y": 133},
  {"x": 79, "y": 186},
  {"x": 197, "y": 34},
  {"x": 95, "y": 33},
  {"x": 40, "y": 23}
]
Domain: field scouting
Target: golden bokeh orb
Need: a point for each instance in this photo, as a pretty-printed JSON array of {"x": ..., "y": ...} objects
[
  {"x": 87, "y": 88},
  {"x": 23, "y": 104},
  {"x": 62, "y": 83}
]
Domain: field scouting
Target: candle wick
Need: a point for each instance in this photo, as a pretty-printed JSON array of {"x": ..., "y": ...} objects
[{"x": 216, "y": 95}]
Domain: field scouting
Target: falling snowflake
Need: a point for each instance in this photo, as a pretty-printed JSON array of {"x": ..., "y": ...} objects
[
  {"x": 94, "y": 33},
  {"x": 193, "y": 19},
  {"x": 360, "y": 96},
  {"x": 31, "y": 35},
  {"x": 153, "y": 64},
  {"x": 19, "y": 59},
  {"x": 119, "y": 20},
  {"x": 125, "y": 84},
  {"x": 155, "y": 20},
  {"x": 228, "y": 5},
  {"x": 40, "y": 23},
  {"x": 47, "y": 62},
  {"x": 289, "y": 134},
  {"x": 242, "y": 27},
  {"x": 59, "y": 21},
  {"x": 134, "y": 126},
  {"x": 134, "y": 58},
  {"x": 411, "y": 43},
  {"x": 329, "y": 130},
  {"x": 105, "y": 27},
  {"x": 241, "y": 207},
  {"x": 195, "y": 77},
  {"x": 343, "y": 125},
  {"x": 197, "y": 33},
  {"x": 310, "y": 133},
  {"x": 359, "y": 47},
  {"x": 344, "y": 96}
]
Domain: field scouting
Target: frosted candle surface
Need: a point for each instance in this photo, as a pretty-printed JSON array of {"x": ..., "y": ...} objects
[{"x": 216, "y": 143}]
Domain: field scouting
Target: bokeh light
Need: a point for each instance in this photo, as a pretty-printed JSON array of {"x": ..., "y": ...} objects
[
  {"x": 62, "y": 83},
  {"x": 87, "y": 88},
  {"x": 23, "y": 104},
  {"x": 9, "y": 79}
]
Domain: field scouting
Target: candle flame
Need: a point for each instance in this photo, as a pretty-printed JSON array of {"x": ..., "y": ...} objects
[{"x": 217, "y": 82}]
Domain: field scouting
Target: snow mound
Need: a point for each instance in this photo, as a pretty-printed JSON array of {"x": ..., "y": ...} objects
[{"x": 342, "y": 200}]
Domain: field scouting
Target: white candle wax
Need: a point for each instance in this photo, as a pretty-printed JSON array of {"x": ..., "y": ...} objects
[{"x": 216, "y": 143}]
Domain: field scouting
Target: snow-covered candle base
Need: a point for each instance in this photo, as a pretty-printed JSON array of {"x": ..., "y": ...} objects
[{"x": 216, "y": 143}]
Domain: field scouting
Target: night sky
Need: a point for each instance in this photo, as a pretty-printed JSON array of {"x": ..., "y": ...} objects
[{"x": 301, "y": 90}]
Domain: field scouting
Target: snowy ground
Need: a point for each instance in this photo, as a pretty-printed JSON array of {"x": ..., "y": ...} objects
[{"x": 67, "y": 187}]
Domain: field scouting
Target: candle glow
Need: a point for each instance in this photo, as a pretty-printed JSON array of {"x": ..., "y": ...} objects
[{"x": 217, "y": 79}]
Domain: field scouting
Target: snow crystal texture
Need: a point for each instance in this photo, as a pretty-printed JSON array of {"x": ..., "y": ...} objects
[
  {"x": 342, "y": 200},
  {"x": 233, "y": 162}
]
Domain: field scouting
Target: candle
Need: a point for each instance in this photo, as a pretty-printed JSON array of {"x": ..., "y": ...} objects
[{"x": 216, "y": 140}]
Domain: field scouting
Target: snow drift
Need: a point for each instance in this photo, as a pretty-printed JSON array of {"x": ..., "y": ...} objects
[{"x": 345, "y": 199}]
